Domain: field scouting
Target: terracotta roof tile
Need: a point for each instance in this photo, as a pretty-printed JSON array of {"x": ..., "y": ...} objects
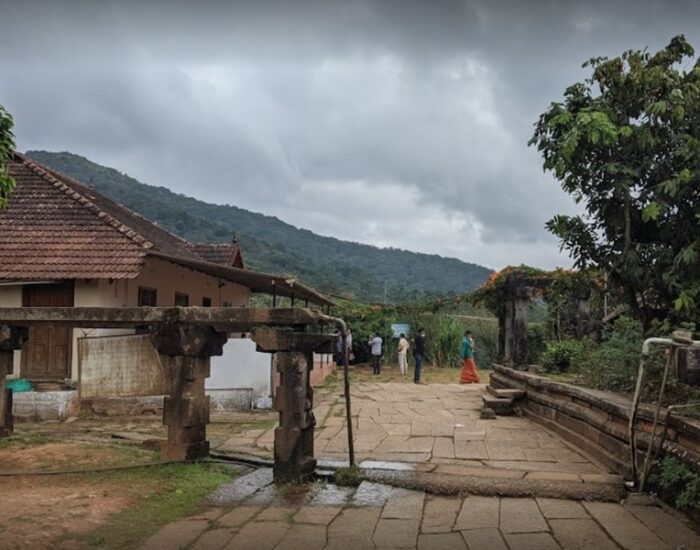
[
  {"x": 56, "y": 228},
  {"x": 219, "y": 253}
]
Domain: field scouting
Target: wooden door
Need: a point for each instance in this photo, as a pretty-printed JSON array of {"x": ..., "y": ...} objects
[{"x": 47, "y": 355}]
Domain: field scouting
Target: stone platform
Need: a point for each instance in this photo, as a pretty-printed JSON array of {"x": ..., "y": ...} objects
[
  {"x": 251, "y": 513},
  {"x": 436, "y": 428}
]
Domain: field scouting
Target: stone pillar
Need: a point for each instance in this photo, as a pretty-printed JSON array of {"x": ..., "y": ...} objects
[
  {"x": 294, "y": 437},
  {"x": 520, "y": 306},
  {"x": 11, "y": 339},
  {"x": 186, "y": 352},
  {"x": 502, "y": 335},
  {"x": 689, "y": 366},
  {"x": 583, "y": 317},
  {"x": 508, "y": 333}
]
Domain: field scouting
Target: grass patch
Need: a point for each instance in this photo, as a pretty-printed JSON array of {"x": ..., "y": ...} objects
[
  {"x": 174, "y": 491},
  {"x": 347, "y": 477},
  {"x": 24, "y": 441}
]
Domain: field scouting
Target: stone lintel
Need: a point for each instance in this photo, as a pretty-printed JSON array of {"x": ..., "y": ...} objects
[
  {"x": 187, "y": 340},
  {"x": 272, "y": 340},
  {"x": 225, "y": 319}
]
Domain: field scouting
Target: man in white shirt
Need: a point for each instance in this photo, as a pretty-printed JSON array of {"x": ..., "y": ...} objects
[
  {"x": 403, "y": 354},
  {"x": 375, "y": 344}
]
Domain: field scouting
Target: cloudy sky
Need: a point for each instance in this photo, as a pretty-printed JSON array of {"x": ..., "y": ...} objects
[{"x": 392, "y": 122}]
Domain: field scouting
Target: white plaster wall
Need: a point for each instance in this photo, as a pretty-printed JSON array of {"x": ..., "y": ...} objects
[
  {"x": 167, "y": 278},
  {"x": 241, "y": 367},
  {"x": 170, "y": 278}
]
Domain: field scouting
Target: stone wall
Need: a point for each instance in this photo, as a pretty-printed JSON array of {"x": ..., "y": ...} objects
[{"x": 597, "y": 421}]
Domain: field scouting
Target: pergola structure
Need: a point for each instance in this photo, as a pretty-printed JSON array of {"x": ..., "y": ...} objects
[{"x": 187, "y": 338}]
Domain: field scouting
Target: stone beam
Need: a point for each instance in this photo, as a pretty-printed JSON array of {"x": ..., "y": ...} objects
[
  {"x": 271, "y": 340},
  {"x": 11, "y": 339},
  {"x": 224, "y": 319},
  {"x": 186, "y": 352}
]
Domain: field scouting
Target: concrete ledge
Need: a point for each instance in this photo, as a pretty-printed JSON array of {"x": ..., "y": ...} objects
[
  {"x": 54, "y": 406},
  {"x": 235, "y": 399},
  {"x": 231, "y": 400}
]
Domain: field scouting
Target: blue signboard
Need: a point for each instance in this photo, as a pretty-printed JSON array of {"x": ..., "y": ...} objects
[{"x": 401, "y": 328}]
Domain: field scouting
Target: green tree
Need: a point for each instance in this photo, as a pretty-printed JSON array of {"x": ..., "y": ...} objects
[
  {"x": 626, "y": 144},
  {"x": 7, "y": 145}
]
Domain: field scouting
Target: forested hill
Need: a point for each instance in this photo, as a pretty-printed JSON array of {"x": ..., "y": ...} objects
[{"x": 269, "y": 244}]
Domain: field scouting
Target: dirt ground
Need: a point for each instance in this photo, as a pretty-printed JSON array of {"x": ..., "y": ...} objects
[{"x": 38, "y": 512}]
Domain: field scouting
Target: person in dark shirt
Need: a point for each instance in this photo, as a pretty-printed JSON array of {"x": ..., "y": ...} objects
[{"x": 418, "y": 354}]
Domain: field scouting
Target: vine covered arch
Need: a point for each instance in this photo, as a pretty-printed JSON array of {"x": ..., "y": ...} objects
[{"x": 573, "y": 298}]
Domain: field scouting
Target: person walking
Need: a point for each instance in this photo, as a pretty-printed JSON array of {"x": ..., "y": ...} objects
[
  {"x": 468, "y": 374},
  {"x": 418, "y": 355},
  {"x": 403, "y": 354},
  {"x": 375, "y": 345}
]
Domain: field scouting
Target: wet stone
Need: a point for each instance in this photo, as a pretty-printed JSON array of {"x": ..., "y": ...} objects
[
  {"x": 444, "y": 541},
  {"x": 317, "y": 515},
  {"x": 238, "y": 516},
  {"x": 176, "y": 535},
  {"x": 372, "y": 494},
  {"x": 332, "y": 495},
  {"x": 386, "y": 465},
  {"x": 213, "y": 540},
  {"x": 241, "y": 488}
]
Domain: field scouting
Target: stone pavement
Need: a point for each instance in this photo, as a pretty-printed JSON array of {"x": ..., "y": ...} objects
[
  {"x": 251, "y": 514},
  {"x": 437, "y": 427}
]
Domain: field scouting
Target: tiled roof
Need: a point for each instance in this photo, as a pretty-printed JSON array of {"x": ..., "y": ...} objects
[
  {"x": 219, "y": 253},
  {"x": 57, "y": 228},
  {"x": 54, "y": 227}
]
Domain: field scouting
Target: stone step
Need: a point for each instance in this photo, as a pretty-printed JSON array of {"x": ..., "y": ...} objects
[
  {"x": 502, "y": 406},
  {"x": 498, "y": 392}
]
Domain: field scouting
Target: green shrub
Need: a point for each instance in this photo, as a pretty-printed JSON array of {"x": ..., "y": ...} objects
[
  {"x": 676, "y": 483},
  {"x": 536, "y": 342},
  {"x": 613, "y": 364},
  {"x": 560, "y": 356}
]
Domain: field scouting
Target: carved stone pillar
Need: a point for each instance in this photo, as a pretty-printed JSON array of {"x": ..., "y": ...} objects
[
  {"x": 187, "y": 351},
  {"x": 11, "y": 339},
  {"x": 520, "y": 306},
  {"x": 508, "y": 333},
  {"x": 294, "y": 437},
  {"x": 502, "y": 335}
]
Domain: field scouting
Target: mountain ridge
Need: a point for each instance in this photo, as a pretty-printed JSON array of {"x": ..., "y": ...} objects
[{"x": 348, "y": 268}]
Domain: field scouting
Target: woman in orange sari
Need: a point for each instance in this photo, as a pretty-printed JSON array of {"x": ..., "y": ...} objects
[{"x": 468, "y": 374}]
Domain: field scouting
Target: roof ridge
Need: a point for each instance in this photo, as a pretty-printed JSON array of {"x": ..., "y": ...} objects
[{"x": 66, "y": 188}]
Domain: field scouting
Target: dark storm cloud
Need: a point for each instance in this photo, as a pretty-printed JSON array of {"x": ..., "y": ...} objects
[{"x": 415, "y": 112}]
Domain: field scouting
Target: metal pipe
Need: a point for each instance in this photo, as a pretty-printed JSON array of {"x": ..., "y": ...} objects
[
  {"x": 680, "y": 339},
  {"x": 647, "y": 464},
  {"x": 340, "y": 323}
]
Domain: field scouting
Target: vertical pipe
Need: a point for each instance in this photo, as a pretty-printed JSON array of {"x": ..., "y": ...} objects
[
  {"x": 647, "y": 458},
  {"x": 348, "y": 408}
]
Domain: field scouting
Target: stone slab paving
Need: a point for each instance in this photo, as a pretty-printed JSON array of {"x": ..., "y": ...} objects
[
  {"x": 377, "y": 516},
  {"x": 436, "y": 426}
]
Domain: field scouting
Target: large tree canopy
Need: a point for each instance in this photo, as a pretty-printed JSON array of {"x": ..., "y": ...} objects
[
  {"x": 7, "y": 145},
  {"x": 626, "y": 144}
]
